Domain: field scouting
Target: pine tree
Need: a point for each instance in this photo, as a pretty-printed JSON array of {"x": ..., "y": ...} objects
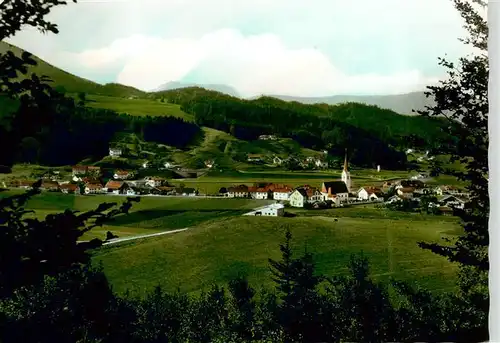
[{"x": 463, "y": 100}]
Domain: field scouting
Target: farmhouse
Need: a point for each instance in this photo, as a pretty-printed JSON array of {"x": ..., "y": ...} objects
[
  {"x": 93, "y": 188},
  {"x": 116, "y": 187},
  {"x": 78, "y": 171},
  {"x": 26, "y": 184},
  {"x": 115, "y": 152},
  {"x": 369, "y": 193},
  {"x": 154, "y": 181},
  {"x": 122, "y": 175},
  {"x": 298, "y": 198},
  {"x": 277, "y": 160},
  {"x": 240, "y": 191},
  {"x": 335, "y": 190},
  {"x": 273, "y": 210},
  {"x": 254, "y": 158},
  {"x": 261, "y": 193},
  {"x": 49, "y": 185},
  {"x": 304, "y": 195},
  {"x": 69, "y": 188},
  {"x": 282, "y": 193}
]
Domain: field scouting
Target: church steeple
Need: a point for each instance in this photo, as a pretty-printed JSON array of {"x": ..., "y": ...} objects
[
  {"x": 346, "y": 177},
  {"x": 345, "y": 162}
]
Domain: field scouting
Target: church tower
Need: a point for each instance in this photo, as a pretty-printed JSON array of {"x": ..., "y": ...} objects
[{"x": 346, "y": 176}]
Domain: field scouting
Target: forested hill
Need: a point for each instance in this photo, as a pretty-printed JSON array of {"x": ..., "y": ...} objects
[{"x": 276, "y": 116}]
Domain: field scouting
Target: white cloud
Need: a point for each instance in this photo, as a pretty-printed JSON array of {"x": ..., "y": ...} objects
[
  {"x": 318, "y": 47},
  {"x": 252, "y": 64}
]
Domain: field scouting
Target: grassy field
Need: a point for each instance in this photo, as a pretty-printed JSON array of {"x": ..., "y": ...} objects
[
  {"x": 220, "y": 250},
  {"x": 150, "y": 215},
  {"x": 138, "y": 107},
  {"x": 222, "y": 244}
]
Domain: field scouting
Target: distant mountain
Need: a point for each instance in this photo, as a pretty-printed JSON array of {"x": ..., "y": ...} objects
[
  {"x": 214, "y": 87},
  {"x": 401, "y": 103},
  {"x": 72, "y": 83}
]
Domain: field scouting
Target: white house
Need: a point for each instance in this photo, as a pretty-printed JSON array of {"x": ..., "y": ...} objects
[
  {"x": 145, "y": 164},
  {"x": 369, "y": 193},
  {"x": 240, "y": 191},
  {"x": 273, "y": 210},
  {"x": 115, "y": 187},
  {"x": 122, "y": 175},
  {"x": 154, "y": 181},
  {"x": 93, "y": 188},
  {"x": 298, "y": 198},
  {"x": 301, "y": 196},
  {"x": 282, "y": 193},
  {"x": 169, "y": 165},
  {"x": 409, "y": 151},
  {"x": 115, "y": 152},
  {"x": 261, "y": 193}
]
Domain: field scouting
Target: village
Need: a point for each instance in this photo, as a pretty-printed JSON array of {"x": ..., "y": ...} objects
[{"x": 88, "y": 180}]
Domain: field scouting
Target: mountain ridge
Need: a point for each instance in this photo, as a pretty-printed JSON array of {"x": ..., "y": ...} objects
[{"x": 401, "y": 103}]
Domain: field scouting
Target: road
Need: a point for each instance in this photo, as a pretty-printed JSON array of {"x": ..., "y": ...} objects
[{"x": 119, "y": 240}]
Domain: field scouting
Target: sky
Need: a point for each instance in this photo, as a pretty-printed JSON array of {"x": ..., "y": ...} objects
[{"x": 285, "y": 47}]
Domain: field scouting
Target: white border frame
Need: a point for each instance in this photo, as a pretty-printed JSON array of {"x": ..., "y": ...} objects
[{"x": 494, "y": 166}]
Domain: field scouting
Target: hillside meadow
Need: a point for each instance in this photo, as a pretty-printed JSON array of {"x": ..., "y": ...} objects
[{"x": 217, "y": 251}]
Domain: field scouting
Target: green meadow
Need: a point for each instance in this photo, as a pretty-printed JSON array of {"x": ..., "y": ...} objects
[{"x": 215, "y": 252}]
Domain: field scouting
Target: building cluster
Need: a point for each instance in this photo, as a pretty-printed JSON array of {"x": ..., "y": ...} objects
[{"x": 89, "y": 180}]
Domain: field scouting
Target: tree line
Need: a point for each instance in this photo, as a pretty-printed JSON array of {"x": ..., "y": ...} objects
[{"x": 71, "y": 132}]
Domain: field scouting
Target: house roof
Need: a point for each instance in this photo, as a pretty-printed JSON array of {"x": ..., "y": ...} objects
[
  {"x": 122, "y": 172},
  {"x": 283, "y": 190},
  {"x": 336, "y": 187},
  {"x": 69, "y": 186},
  {"x": 46, "y": 183},
  {"x": 238, "y": 189},
  {"x": 93, "y": 186},
  {"x": 114, "y": 184},
  {"x": 254, "y": 155},
  {"x": 93, "y": 168}
]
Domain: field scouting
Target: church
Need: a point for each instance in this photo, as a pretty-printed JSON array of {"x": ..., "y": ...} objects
[{"x": 338, "y": 191}]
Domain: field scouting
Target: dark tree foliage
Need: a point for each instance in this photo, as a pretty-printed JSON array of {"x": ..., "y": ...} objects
[
  {"x": 31, "y": 248},
  {"x": 372, "y": 133},
  {"x": 463, "y": 100}
]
